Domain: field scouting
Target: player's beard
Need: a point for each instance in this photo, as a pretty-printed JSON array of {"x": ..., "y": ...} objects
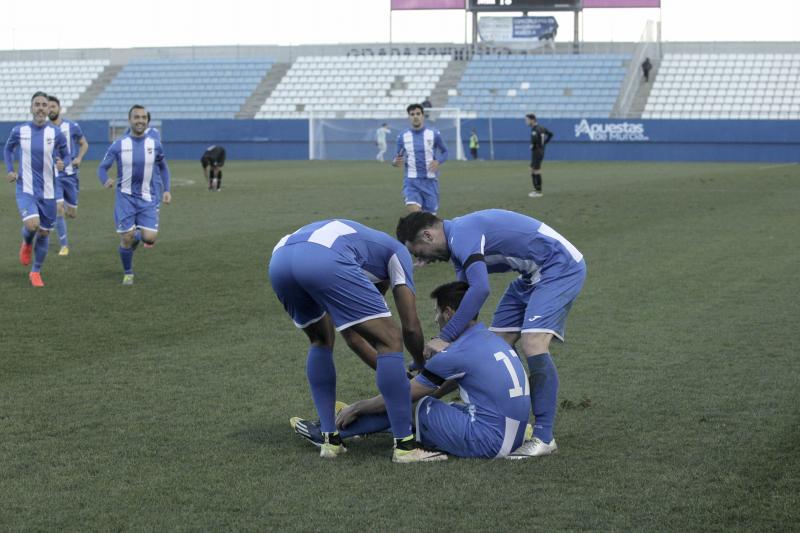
[{"x": 53, "y": 117}]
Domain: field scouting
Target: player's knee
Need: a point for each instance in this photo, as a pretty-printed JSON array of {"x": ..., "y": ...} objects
[
  {"x": 44, "y": 232},
  {"x": 60, "y": 209},
  {"x": 393, "y": 339},
  {"x": 536, "y": 343}
]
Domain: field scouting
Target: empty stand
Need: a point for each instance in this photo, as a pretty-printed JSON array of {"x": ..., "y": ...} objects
[
  {"x": 66, "y": 79},
  {"x": 558, "y": 85},
  {"x": 353, "y": 87},
  {"x": 181, "y": 88},
  {"x": 726, "y": 86}
]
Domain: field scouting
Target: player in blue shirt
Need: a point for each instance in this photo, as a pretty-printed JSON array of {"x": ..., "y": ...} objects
[
  {"x": 324, "y": 274},
  {"x": 493, "y": 419},
  {"x": 67, "y": 182},
  {"x": 138, "y": 158},
  {"x": 42, "y": 152},
  {"x": 534, "y": 306},
  {"x": 416, "y": 147}
]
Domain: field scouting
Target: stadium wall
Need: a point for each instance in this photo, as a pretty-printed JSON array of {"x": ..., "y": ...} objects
[{"x": 575, "y": 139}]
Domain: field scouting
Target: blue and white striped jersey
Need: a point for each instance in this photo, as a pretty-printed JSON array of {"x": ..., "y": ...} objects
[
  {"x": 489, "y": 374},
  {"x": 73, "y": 133},
  {"x": 39, "y": 146},
  {"x": 137, "y": 159},
  {"x": 419, "y": 147},
  {"x": 380, "y": 256}
]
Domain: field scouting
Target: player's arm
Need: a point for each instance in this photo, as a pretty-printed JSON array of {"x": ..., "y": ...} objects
[
  {"x": 63, "y": 151},
  {"x": 163, "y": 170},
  {"x": 8, "y": 153},
  {"x": 478, "y": 278},
  {"x": 413, "y": 339},
  {"x": 549, "y": 135},
  {"x": 105, "y": 165},
  {"x": 400, "y": 153},
  {"x": 83, "y": 148},
  {"x": 376, "y": 404},
  {"x": 438, "y": 142}
]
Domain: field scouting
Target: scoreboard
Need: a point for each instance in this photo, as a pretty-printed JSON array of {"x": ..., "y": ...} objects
[{"x": 524, "y": 5}]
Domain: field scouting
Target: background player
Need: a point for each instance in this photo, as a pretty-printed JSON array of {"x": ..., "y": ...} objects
[
  {"x": 534, "y": 306},
  {"x": 213, "y": 160},
  {"x": 138, "y": 156},
  {"x": 540, "y": 136},
  {"x": 416, "y": 147},
  {"x": 324, "y": 276},
  {"x": 67, "y": 182},
  {"x": 380, "y": 140},
  {"x": 42, "y": 152},
  {"x": 492, "y": 421}
]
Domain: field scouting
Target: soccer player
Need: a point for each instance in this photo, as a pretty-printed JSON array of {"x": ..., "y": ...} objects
[
  {"x": 42, "y": 153},
  {"x": 540, "y": 136},
  {"x": 67, "y": 183},
  {"x": 493, "y": 420},
  {"x": 380, "y": 140},
  {"x": 416, "y": 147},
  {"x": 137, "y": 156},
  {"x": 534, "y": 306},
  {"x": 213, "y": 160},
  {"x": 324, "y": 274}
]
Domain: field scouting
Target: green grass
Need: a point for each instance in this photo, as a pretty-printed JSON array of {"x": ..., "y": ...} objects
[{"x": 164, "y": 406}]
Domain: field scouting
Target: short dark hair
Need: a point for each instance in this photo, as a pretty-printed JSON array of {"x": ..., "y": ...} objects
[
  {"x": 148, "y": 117},
  {"x": 134, "y": 106},
  {"x": 450, "y": 295},
  {"x": 531, "y": 116},
  {"x": 412, "y": 107},
  {"x": 38, "y": 93},
  {"x": 52, "y": 98},
  {"x": 410, "y": 225}
]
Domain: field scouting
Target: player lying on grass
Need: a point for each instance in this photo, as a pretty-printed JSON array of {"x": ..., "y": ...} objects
[{"x": 490, "y": 423}]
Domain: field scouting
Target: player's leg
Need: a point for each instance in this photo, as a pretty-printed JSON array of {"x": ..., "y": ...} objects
[
  {"x": 429, "y": 190},
  {"x": 29, "y": 214},
  {"x": 536, "y": 175},
  {"x": 61, "y": 224},
  {"x": 147, "y": 221},
  {"x": 125, "y": 221},
  {"x": 219, "y": 177},
  {"x": 47, "y": 216}
]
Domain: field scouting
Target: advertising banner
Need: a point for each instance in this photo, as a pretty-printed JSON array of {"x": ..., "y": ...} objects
[{"x": 399, "y": 5}]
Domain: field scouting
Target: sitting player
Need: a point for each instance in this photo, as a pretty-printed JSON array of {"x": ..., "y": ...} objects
[{"x": 492, "y": 380}]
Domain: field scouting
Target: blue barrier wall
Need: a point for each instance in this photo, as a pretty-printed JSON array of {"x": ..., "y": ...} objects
[{"x": 575, "y": 139}]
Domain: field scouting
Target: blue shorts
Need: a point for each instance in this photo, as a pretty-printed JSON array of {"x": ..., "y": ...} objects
[
  {"x": 541, "y": 307},
  {"x": 423, "y": 192},
  {"x": 310, "y": 280},
  {"x": 29, "y": 206},
  {"x": 131, "y": 212},
  {"x": 456, "y": 429},
  {"x": 67, "y": 189}
]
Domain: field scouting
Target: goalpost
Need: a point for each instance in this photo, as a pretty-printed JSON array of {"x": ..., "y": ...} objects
[{"x": 351, "y": 135}]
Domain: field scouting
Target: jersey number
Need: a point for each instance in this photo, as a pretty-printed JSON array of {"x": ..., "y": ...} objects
[{"x": 516, "y": 390}]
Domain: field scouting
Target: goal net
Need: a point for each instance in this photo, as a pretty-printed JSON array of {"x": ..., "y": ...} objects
[{"x": 352, "y": 135}]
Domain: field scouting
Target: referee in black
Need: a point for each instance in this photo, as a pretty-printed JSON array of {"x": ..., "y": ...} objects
[
  {"x": 213, "y": 160},
  {"x": 540, "y": 136}
]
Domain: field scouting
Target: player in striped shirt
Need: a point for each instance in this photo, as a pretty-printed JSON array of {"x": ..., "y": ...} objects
[
  {"x": 138, "y": 157},
  {"x": 417, "y": 147},
  {"x": 41, "y": 149},
  {"x": 534, "y": 307},
  {"x": 67, "y": 183}
]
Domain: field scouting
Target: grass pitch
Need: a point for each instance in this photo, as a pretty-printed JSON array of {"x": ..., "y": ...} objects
[{"x": 165, "y": 406}]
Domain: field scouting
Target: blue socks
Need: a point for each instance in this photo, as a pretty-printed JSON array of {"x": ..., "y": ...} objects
[
  {"x": 366, "y": 424},
  {"x": 61, "y": 228},
  {"x": 40, "y": 252},
  {"x": 321, "y": 375},
  {"x": 126, "y": 255},
  {"x": 27, "y": 235},
  {"x": 393, "y": 385},
  {"x": 544, "y": 394}
]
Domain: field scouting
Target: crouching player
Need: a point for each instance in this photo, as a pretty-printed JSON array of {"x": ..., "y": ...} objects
[{"x": 490, "y": 423}]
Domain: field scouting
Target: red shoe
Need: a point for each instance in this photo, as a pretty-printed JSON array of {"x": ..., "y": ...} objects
[
  {"x": 36, "y": 279},
  {"x": 25, "y": 251},
  {"x": 148, "y": 245}
]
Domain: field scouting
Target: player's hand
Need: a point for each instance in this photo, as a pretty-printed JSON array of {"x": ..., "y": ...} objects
[
  {"x": 166, "y": 197},
  {"x": 348, "y": 415},
  {"x": 12, "y": 176},
  {"x": 434, "y": 346},
  {"x": 434, "y": 166},
  {"x": 109, "y": 184},
  {"x": 76, "y": 162},
  {"x": 59, "y": 164},
  {"x": 398, "y": 160}
]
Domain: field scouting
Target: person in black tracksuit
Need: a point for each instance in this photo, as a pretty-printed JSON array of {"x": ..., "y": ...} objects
[
  {"x": 540, "y": 136},
  {"x": 213, "y": 160}
]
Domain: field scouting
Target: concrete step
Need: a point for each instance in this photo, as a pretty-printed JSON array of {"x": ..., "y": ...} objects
[
  {"x": 449, "y": 80},
  {"x": 94, "y": 90},
  {"x": 271, "y": 80}
]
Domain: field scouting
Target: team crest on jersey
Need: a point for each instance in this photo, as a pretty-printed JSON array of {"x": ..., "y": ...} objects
[
  {"x": 49, "y": 142},
  {"x": 149, "y": 150}
]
